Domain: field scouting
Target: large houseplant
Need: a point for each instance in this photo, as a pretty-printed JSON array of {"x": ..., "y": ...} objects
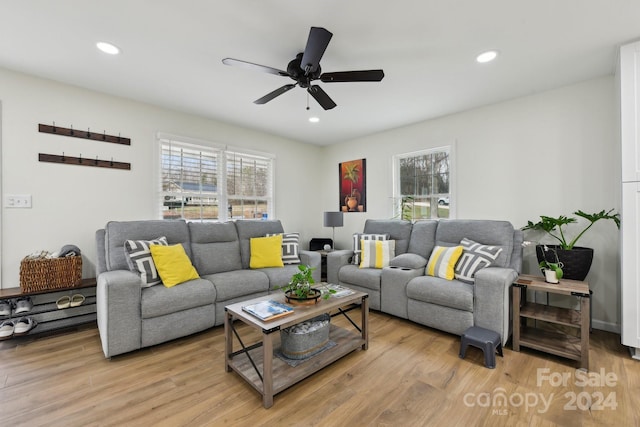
[{"x": 576, "y": 260}]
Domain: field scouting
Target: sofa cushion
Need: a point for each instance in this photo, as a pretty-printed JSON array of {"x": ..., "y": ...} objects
[
  {"x": 117, "y": 232},
  {"x": 368, "y": 278},
  {"x": 173, "y": 264},
  {"x": 377, "y": 253},
  {"x": 254, "y": 228},
  {"x": 215, "y": 247},
  {"x": 279, "y": 277},
  {"x": 357, "y": 244},
  {"x": 486, "y": 232},
  {"x": 160, "y": 301},
  {"x": 290, "y": 248},
  {"x": 442, "y": 261},
  {"x": 423, "y": 237},
  {"x": 442, "y": 292},
  {"x": 140, "y": 260},
  {"x": 240, "y": 283},
  {"x": 266, "y": 251},
  {"x": 408, "y": 260},
  {"x": 398, "y": 230},
  {"x": 474, "y": 257}
]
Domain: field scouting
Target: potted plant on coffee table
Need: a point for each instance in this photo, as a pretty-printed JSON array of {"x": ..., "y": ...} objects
[
  {"x": 576, "y": 260},
  {"x": 299, "y": 289}
]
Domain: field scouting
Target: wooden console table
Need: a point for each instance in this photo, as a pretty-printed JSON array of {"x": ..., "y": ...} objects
[
  {"x": 553, "y": 342},
  {"x": 46, "y": 312}
]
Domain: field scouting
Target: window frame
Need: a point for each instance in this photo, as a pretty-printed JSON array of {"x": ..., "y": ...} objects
[
  {"x": 221, "y": 151},
  {"x": 396, "y": 191}
]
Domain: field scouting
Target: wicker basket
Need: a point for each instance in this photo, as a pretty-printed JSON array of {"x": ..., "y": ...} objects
[{"x": 42, "y": 274}]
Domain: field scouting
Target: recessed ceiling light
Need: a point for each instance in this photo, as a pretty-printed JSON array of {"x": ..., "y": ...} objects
[
  {"x": 314, "y": 119},
  {"x": 108, "y": 48},
  {"x": 487, "y": 56}
]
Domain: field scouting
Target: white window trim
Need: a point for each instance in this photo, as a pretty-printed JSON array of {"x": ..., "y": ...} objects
[
  {"x": 451, "y": 148},
  {"x": 222, "y": 179}
]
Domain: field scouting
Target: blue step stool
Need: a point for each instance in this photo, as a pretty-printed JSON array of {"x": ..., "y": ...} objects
[{"x": 486, "y": 340}]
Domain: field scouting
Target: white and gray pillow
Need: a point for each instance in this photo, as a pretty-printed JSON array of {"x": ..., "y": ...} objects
[
  {"x": 140, "y": 260},
  {"x": 475, "y": 256},
  {"x": 357, "y": 250}
]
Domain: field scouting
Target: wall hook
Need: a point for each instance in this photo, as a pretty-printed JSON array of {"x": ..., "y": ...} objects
[
  {"x": 80, "y": 158},
  {"x": 63, "y": 158},
  {"x": 54, "y": 127},
  {"x": 104, "y": 135},
  {"x": 72, "y": 130},
  {"x": 88, "y": 132}
]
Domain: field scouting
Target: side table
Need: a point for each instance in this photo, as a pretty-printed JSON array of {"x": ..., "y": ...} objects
[{"x": 543, "y": 339}]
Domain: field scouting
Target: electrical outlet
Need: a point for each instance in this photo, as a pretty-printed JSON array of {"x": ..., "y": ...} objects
[{"x": 17, "y": 201}]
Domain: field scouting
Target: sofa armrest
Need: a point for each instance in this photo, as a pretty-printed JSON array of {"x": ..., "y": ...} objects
[
  {"x": 335, "y": 261},
  {"x": 492, "y": 302},
  {"x": 312, "y": 259},
  {"x": 118, "y": 306}
]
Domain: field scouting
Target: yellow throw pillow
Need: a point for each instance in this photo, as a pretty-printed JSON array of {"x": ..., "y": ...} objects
[
  {"x": 173, "y": 264},
  {"x": 377, "y": 253},
  {"x": 443, "y": 261},
  {"x": 266, "y": 252}
]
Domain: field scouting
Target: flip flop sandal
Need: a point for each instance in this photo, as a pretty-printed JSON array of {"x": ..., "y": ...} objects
[
  {"x": 24, "y": 325},
  {"x": 77, "y": 300},
  {"x": 23, "y": 305},
  {"x": 6, "y": 329},
  {"x": 63, "y": 302}
]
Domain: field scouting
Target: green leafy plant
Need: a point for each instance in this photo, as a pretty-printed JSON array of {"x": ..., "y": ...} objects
[
  {"x": 555, "y": 266},
  {"x": 553, "y": 226},
  {"x": 352, "y": 173},
  {"x": 300, "y": 283}
]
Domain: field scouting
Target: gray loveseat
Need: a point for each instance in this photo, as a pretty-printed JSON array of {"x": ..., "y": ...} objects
[
  {"x": 131, "y": 317},
  {"x": 404, "y": 290}
]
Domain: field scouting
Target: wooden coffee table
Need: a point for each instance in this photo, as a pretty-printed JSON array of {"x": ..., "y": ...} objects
[{"x": 270, "y": 375}]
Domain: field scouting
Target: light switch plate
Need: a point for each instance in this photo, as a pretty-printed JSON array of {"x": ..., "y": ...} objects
[{"x": 17, "y": 201}]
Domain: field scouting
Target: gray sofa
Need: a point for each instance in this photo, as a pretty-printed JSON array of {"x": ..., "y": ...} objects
[
  {"x": 131, "y": 317},
  {"x": 404, "y": 290}
]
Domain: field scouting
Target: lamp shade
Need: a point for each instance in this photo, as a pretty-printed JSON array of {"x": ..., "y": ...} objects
[{"x": 333, "y": 219}]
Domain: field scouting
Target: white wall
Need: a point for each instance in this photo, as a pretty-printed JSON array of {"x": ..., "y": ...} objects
[
  {"x": 546, "y": 154},
  {"x": 549, "y": 153},
  {"x": 71, "y": 202}
]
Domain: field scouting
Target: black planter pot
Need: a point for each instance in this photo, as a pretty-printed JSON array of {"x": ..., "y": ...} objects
[{"x": 576, "y": 262}]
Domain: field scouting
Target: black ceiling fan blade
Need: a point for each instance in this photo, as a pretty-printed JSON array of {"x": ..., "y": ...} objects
[
  {"x": 268, "y": 97},
  {"x": 316, "y": 45},
  {"x": 321, "y": 96},
  {"x": 254, "y": 67},
  {"x": 353, "y": 76}
]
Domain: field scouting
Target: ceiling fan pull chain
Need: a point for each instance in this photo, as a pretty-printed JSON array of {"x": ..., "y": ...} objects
[{"x": 308, "y": 101}]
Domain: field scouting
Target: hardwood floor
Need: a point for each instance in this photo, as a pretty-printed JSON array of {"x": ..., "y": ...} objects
[{"x": 410, "y": 376}]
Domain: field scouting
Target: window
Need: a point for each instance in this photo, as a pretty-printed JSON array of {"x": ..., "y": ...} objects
[
  {"x": 422, "y": 184},
  {"x": 209, "y": 182}
]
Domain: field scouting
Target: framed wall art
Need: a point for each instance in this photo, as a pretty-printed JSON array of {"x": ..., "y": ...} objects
[{"x": 353, "y": 186}]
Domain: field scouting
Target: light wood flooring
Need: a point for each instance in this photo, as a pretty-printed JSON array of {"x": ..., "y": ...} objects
[{"x": 410, "y": 376}]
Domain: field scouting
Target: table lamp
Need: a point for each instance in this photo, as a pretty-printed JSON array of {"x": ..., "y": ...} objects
[{"x": 333, "y": 220}]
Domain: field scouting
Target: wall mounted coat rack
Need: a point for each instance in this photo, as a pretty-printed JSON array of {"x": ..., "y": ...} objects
[
  {"x": 83, "y": 161},
  {"x": 85, "y": 134}
]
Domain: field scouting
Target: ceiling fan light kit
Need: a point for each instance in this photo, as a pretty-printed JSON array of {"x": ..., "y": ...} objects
[{"x": 305, "y": 68}]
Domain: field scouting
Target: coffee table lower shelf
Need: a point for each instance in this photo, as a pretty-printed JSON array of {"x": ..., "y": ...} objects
[{"x": 285, "y": 375}]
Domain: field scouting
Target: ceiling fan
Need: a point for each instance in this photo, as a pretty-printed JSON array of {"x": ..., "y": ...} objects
[{"x": 305, "y": 68}]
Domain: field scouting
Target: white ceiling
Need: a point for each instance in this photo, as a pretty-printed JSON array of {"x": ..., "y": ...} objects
[{"x": 172, "y": 51}]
